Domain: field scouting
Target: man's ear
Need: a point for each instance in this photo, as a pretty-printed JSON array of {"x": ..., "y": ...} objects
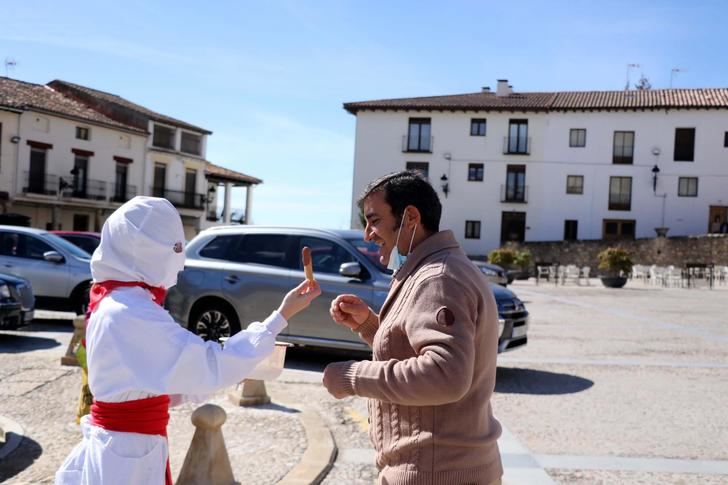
[{"x": 413, "y": 215}]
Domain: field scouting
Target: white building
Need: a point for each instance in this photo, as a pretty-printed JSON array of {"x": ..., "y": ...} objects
[
  {"x": 555, "y": 166},
  {"x": 70, "y": 155}
]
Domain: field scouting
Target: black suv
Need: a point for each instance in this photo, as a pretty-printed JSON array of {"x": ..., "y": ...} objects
[{"x": 16, "y": 302}]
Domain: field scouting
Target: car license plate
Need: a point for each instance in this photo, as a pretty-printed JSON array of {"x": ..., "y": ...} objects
[{"x": 519, "y": 331}]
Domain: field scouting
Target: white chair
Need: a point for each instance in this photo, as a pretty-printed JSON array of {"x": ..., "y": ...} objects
[
  {"x": 571, "y": 272},
  {"x": 584, "y": 274},
  {"x": 543, "y": 272}
]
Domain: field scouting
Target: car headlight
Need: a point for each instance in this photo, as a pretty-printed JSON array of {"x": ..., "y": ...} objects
[
  {"x": 488, "y": 272},
  {"x": 501, "y": 326},
  {"x": 4, "y": 291}
]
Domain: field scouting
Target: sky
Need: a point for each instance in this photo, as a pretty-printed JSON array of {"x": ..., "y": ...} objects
[{"x": 268, "y": 78}]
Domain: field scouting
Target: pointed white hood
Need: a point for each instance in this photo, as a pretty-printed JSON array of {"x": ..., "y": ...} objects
[{"x": 142, "y": 240}]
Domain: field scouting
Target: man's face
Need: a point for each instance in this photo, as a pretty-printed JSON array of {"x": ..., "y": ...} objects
[{"x": 381, "y": 225}]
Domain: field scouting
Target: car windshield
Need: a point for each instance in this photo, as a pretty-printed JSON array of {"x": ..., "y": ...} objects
[
  {"x": 67, "y": 246},
  {"x": 371, "y": 251}
]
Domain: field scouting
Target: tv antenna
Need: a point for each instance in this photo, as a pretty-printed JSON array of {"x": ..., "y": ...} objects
[
  {"x": 674, "y": 71},
  {"x": 629, "y": 68},
  {"x": 10, "y": 63}
]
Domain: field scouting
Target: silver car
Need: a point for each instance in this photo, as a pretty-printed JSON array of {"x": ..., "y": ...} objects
[
  {"x": 238, "y": 274},
  {"x": 493, "y": 272},
  {"x": 59, "y": 272}
]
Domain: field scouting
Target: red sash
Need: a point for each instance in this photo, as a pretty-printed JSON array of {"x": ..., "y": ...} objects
[{"x": 145, "y": 416}]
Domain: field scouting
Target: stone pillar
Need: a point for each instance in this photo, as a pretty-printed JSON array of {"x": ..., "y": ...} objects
[
  {"x": 207, "y": 461},
  {"x": 226, "y": 209},
  {"x": 249, "y": 204},
  {"x": 250, "y": 392}
]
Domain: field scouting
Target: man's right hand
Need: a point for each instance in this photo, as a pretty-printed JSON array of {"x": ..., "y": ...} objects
[{"x": 349, "y": 310}]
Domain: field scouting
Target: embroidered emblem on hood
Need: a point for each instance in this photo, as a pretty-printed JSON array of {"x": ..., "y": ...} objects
[
  {"x": 445, "y": 317},
  {"x": 178, "y": 247}
]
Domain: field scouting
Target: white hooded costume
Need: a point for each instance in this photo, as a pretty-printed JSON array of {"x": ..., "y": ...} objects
[{"x": 135, "y": 350}]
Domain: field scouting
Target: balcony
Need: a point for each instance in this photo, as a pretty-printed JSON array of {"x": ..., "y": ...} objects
[
  {"x": 179, "y": 198},
  {"x": 516, "y": 146},
  {"x": 123, "y": 193},
  {"x": 40, "y": 183},
  {"x": 76, "y": 188},
  {"x": 68, "y": 187},
  {"x": 417, "y": 144},
  {"x": 514, "y": 194}
]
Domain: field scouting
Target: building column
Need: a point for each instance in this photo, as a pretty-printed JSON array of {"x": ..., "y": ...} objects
[
  {"x": 249, "y": 204},
  {"x": 226, "y": 208}
]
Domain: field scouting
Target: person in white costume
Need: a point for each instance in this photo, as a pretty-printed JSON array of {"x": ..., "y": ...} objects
[{"x": 140, "y": 360}]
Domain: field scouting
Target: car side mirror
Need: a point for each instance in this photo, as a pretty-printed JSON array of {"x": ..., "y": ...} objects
[
  {"x": 53, "y": 257},
  {"x": 350, "y": 270}
]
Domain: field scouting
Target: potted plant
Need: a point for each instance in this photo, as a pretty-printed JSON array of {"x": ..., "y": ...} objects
[
  {"x": 516, "y": 263},
  {"x": 616, "y": 264},
  {"x": 524, "y": 260}
]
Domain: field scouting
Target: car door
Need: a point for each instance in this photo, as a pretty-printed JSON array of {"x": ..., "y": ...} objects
[
  {"x": 315, "y": 322},
  {"x": 22, "y": 255},
  {"x": 257, "y": 275}
]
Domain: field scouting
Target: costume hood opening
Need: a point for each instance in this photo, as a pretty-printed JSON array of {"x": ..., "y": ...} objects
[{"x": 143, "y": 240}]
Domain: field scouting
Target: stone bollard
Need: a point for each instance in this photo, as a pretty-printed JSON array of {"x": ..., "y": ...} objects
[
  {"x": 250, "y": 392},
  {"x": 207, "y": 461},
  {"x": 79, "y": 332}
]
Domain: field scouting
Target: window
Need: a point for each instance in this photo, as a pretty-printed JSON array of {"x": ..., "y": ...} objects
[
  {"x": 80, "y": 176},
  {"x": 80, "y": 222},
  {"x": 574, "y": 184},
  {"x": 422, "y": 167},
  {"x": 472, "y": 229},
  {"x": 83, "y": 133},
  {"x": 37, "y": 173},
  {"x": 190, "y": 184},
  {"x": 517, "y": 141},
  {"x": 326, "y": 256},
  {"x": 218, "y": 248},
  {"x": 684, "y": 144},
  {"x": 22, "y": 246},
  {"x": 120, "y": 191},
  {"x": 618, "y": 229},
  {"x": 160, "y": 180},
  {"x": 191, "y": 143},
  {"x": 725, "y": 139},
  {"x": 475, "y": 172},
  {"x": 687, "y": 186},
  {"x": 577, "y": 137},
  {"x": 419, "y": 135},
  {"x": 163, "y": 137},
  {"x": 515, "y": 188},
  {"x": 620, "y": 193},
  {"x": 623, "y": 147},
  {"x": 477, "y": 127},
  {"x": 571, "y": 230},
  {"x": 266, "y": 249}
]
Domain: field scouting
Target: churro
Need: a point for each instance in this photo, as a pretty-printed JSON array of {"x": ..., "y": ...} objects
[{"x": 307, "y": 263}]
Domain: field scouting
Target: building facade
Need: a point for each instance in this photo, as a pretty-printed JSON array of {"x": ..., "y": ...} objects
[
  {"x": 70, "y": 155},
  {"x": 556, "y": 166}
]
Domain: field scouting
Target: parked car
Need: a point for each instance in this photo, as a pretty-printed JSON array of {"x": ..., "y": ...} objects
[
  {"x": 88, "y": 241},
  {"x": 59, "y": 271},
  {"x": 237, "y": 274},
  {"x": 16, "y": 302},
  {"x": 493, "y": 272}
]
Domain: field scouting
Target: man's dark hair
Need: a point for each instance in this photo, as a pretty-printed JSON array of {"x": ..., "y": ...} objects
[{"x": 407, "y": 188}]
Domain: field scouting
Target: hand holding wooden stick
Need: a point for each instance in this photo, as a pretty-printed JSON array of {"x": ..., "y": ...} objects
[{"x": 307, "y": 263}]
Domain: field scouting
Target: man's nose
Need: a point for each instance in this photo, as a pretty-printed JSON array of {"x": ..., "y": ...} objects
[{"x": 368, "y": 233}]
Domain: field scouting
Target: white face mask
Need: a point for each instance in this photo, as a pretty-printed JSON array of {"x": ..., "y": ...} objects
[{"x": 397, "y": 260}]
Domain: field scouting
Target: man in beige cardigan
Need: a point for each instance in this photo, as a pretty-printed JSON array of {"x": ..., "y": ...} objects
[{"x": 434, "y": 346}]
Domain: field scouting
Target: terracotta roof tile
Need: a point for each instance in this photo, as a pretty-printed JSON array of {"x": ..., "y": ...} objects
[
  {"x": 574, "y": 100},
  {"x": 71, "y": 88},
  {"x": 213, "y": 171},
  {"x": 28, "y": 96}
]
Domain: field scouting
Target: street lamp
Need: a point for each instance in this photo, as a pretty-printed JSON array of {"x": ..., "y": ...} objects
[{"x": 444, "y": 184}]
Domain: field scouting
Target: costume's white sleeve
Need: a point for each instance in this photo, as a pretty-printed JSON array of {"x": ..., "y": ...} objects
[{"x": 140, "y": 347}]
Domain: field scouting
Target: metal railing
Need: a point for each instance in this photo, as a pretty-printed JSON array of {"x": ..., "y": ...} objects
[
  {"x": 517, "y": 194},
  {"x": 80, "y": 189},
  {"x": 516, "y": 146},
  {"x": 124, "y": 193},
  {"x": 40, "y": 183},
  {"x": 179, "y": 198},
  {"x": 417, "y": 144}
]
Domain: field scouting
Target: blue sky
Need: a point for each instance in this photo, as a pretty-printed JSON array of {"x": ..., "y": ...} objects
[{"x": 269, "y": 78}]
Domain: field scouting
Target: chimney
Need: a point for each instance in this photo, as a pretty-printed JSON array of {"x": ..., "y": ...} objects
[
  {"x": 503, "y": 88},
  {"x": 486, "y": 89}
]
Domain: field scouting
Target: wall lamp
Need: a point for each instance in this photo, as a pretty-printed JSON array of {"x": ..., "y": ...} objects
[
  {"x": 655, "y": 173},
  {"x": 15, "y": 139},
  {"x": 444, "y": 184}
]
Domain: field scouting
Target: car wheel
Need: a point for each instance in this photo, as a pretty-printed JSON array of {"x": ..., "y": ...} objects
[
  {"x": 80, "y": 299},
  {"x": 214, "y": 322}
]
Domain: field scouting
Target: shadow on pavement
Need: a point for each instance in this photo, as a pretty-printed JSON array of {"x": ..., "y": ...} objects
[
  {"x": 38, "y": 325},
  {"x": 278, "y": 407},
  {"x": 21, "y": 458},
  {"x": 16, "y": 344},
  {"x": 512, "y": 380},
  {"x": 307, "y": 358}
]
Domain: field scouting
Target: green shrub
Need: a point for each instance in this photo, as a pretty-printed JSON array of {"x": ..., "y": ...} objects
[
  {"x": 615, "y": 261},
  {"x": 503, "y": 257},
  {"x": 524, "y": 260}
]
